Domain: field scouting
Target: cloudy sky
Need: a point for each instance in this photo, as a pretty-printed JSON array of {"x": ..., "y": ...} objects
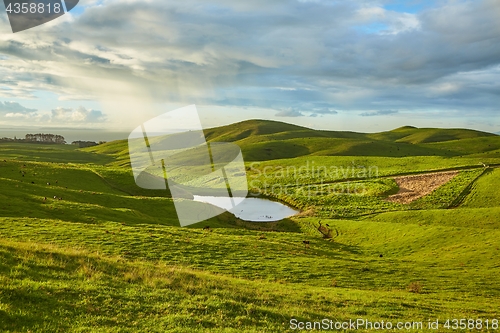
[{"x": 344, "y": 65}]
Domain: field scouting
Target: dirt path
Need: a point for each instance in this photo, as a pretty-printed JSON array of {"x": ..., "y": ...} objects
[{"x": 414, "y": 187}]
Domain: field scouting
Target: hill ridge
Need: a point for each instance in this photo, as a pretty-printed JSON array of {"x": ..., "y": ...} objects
[{"x": 262, "y": 140}]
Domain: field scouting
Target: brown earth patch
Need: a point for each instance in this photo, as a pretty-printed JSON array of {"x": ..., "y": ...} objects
[{"x": 414, "y": 187}]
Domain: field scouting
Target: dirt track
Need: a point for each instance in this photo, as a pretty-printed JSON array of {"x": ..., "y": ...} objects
[{"x": 414, "y": 187}]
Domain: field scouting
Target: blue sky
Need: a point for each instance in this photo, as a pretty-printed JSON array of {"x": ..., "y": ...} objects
[
  {"x": 360, "y": 66},
  {"x": 409, "y": 6}
]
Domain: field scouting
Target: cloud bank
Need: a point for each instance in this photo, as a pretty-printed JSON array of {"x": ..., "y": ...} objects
[
  {"x": 58, "y": 116},
  {"x": 378, "y": 113},
  {"x": 298, "y": 58}
]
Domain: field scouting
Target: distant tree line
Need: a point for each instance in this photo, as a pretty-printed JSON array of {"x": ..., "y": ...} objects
[
  {"x": 37, "y": 138},
  {"x": 50, "y": 139},
  {"x": 84, "y": 144},
  {"x": 45, "y": 138},
  {"x": 5, "y": 139}
]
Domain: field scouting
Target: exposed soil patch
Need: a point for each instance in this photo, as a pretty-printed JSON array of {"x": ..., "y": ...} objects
[{"x": 414, "y": 187}]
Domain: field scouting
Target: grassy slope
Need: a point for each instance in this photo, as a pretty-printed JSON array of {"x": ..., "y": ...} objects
[
  {"x": 50, "y": 153},
  {"x": 270, "y": 140},
  {"x": 485, "y": 192},
  {"x": 428, "y": 135},
  {"x": 102, "y": 260},
  {"x": 129, "y": 278},
  {"x": 266, "y": 140},
  {"x": 117, "y": 150}
]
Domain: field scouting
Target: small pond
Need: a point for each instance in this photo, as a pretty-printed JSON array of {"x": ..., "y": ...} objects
[{"x": 251, "y": 209}]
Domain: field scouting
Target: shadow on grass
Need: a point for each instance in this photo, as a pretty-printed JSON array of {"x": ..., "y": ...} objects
[{"x": 228, "y": 220}]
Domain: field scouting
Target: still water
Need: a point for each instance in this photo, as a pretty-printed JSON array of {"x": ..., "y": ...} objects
[{"x": 251, "y": 209}]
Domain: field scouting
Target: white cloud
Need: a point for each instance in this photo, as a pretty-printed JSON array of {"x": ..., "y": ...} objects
[
  {"x": 290, "y": 112},
  {"x": 79, "y": 115},
  {"x": 21, "y": 115},
  {"x": 14, "y": 108}
]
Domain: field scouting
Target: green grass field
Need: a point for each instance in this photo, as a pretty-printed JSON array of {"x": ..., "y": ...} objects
[{"x": 83, "y": 249}]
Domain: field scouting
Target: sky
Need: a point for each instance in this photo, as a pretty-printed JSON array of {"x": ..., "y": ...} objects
[{"x": 364, "y": 65}]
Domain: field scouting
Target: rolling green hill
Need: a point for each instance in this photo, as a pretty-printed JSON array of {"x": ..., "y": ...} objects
[
  {"x": 118, "y": 150},
  {"x": 84, "y": 249},
  {"x": 288, "y": 142},
  {"x": 427, "y": 135},
  {"x": 263, "y": 140},
  {"x": 267, "y": 140},
  {"x": 238, "y": 131}
]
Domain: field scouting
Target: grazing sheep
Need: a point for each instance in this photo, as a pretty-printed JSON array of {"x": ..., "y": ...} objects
[{"x": 306, "y": 243}]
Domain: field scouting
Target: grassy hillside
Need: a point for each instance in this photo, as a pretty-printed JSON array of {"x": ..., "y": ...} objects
[
  {"x": 486, "y": 146},
  {"x": 158, "y": 278},
  {"x": 235, "y": 132},
  {"x": 427, "y": 135},
  {"x": 83, "y": 249},
  {"x": 79, "y": 193},
  {"x": 51, "y": 153},
  {"x": 485, "y": 192},
  {"x": 263, "y": 140},
  {"x": 117, "y": 150}
]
